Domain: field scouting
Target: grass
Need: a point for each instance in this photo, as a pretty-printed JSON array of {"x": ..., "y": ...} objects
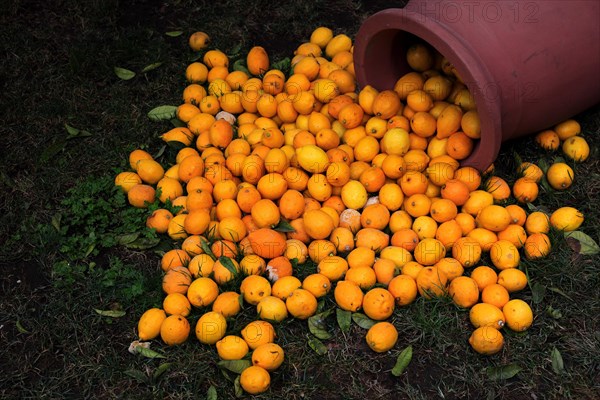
[{"x": 61, "y": 257}]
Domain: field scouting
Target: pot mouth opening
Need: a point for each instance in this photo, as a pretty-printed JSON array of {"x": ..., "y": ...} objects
[{"x": 381, "y": 46}]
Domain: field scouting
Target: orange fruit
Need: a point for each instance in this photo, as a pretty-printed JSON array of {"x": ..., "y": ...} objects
[
  {"x": 159, "y": 220},
  {"x": 518, "y": 216},
  {"x": 174, "y": 330},
  {"x": 301, "y": 304},
  {"x": 269, "y": 356},
  {"x": 495, "y": 294},
  {"x": 201, "y": 265},
  {"x": 431, "y": 282},
  {"x": 332, "y": 267},
  {"x": 429, "y": 251},
  {"x": 318, "y": 284},
  {"x": 404, "y": 289},
  {"x": 278, "y": 268},
  {"x": 378, "y": 304},
  {"x": 127, "y": 180},
  {"x": 232, "y": 347},
  {"x": 267, "y": 243},
  {"x": 351, "y": 115},
  {"x": 576, "y": 148},
  {"x": 215, "y": 58},
  {"x": 567, "y": 129},
  {"x": 518, "y": 314},
  {"x": 531, "y": 171},
  {"x": 494, "y": 218},
  {"x": 177, "y": 304},
  {"x": 504, "y": 254},
  {"x": 560, "y": 176},
  {"x": 381, "y": 337},
  {"x": 467, "y": 251},
  {"x": 486, "y": 340},
  {"x": 198, "y": 41},
  {"x": 196, "y": 72},
  {"x": 464, "y": 291},
  {"x": 174, "y": 258},
  {"x": 515, "y": 234},
  {"x": 484, "y": 314},
  {"x": 525, "y": 190},
  {"x": 150, "y": 171},
  {"x": 512, "y": 279},
  {"x": 537, "y": 222},
  {"x": 448, "y": 122},
  {"x": 455, "y": 190},
  {"x": 459, "y": 146},
  {"x": 364, "y": 277},
  {"x": 254, "y": 288},
  {"x": 202, "y": 292},
  {"x": 348, "y": 296},
  {"x": 548, "y": 140},
  {"x": 176, "y": 280},
  {"x": 408, "y": 83},
  {"x": 484, "y": 276},
  {"x": 537, "y": 245}
]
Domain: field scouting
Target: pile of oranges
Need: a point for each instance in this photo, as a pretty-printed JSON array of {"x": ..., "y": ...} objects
[{"x": 277, "y": 171}]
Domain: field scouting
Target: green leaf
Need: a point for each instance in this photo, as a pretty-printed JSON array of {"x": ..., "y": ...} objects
[
  {"x": 557, "y": 290},
  {"x": 177, "y": 123},
  {"x": 162, "y": 113},
  {"x": 160, "y": 151},
  {"x": 556, "y": 314},
  {"x": 148, "y": 353},
  {"x": 90, "y": 249},
  {"x": 143, "y": 243},
  {"x": 518, "y": 159},
  {"x": 402, "y": 362},
  {"x": 227, "y": 263},
  {"x": 362, "y": 320},
  {"x": 20, "y": 327},
  {"x": 503, "y": 372},
  {"x": 531, "y": 207},
  {"x": 56, "y": 218},
  {"x": 174, "y": 144},
  {"x": 127, "y": 238},
  {"x": 206, "y": 249},
  {"x": 137, "y": 375},
  {"x": 110, "y": 313},
  {"x": 74, "y": 132},
  {"x": 174, "y": 33},
  {"x": 151, "y": 67},
  {"x": 538, "y": 291},
  {"x": 318, "y": 326},
  {"x": 240, "y": 65},
  {"x": 588, "y": 245},
  {"x": 162, "y": 368},
  {"x": 52, "y": 150},
  {"x": 241, "y": 300},
  {"x": 317, "y": 346},
  {"x": 284, "y": 226},
  {"x": 344, "y": 319},
  {"x": 543, "y": 164},
  {"x": 283, "y": 65},
  {"x": 211, "y": 393},
  {"x": 237, "y": 387},
  {"x": 558, "y": 365},
  {"x": 236, "y": 366},
  {"x": 123, "y": 73},
  {"x": 235, "y": 51},
  {"x": 71, "y": 130},
  {"x": 196, "y": 56}
]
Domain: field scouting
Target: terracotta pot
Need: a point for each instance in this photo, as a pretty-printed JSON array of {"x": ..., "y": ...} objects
[{"x": 528, "y": 64}]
